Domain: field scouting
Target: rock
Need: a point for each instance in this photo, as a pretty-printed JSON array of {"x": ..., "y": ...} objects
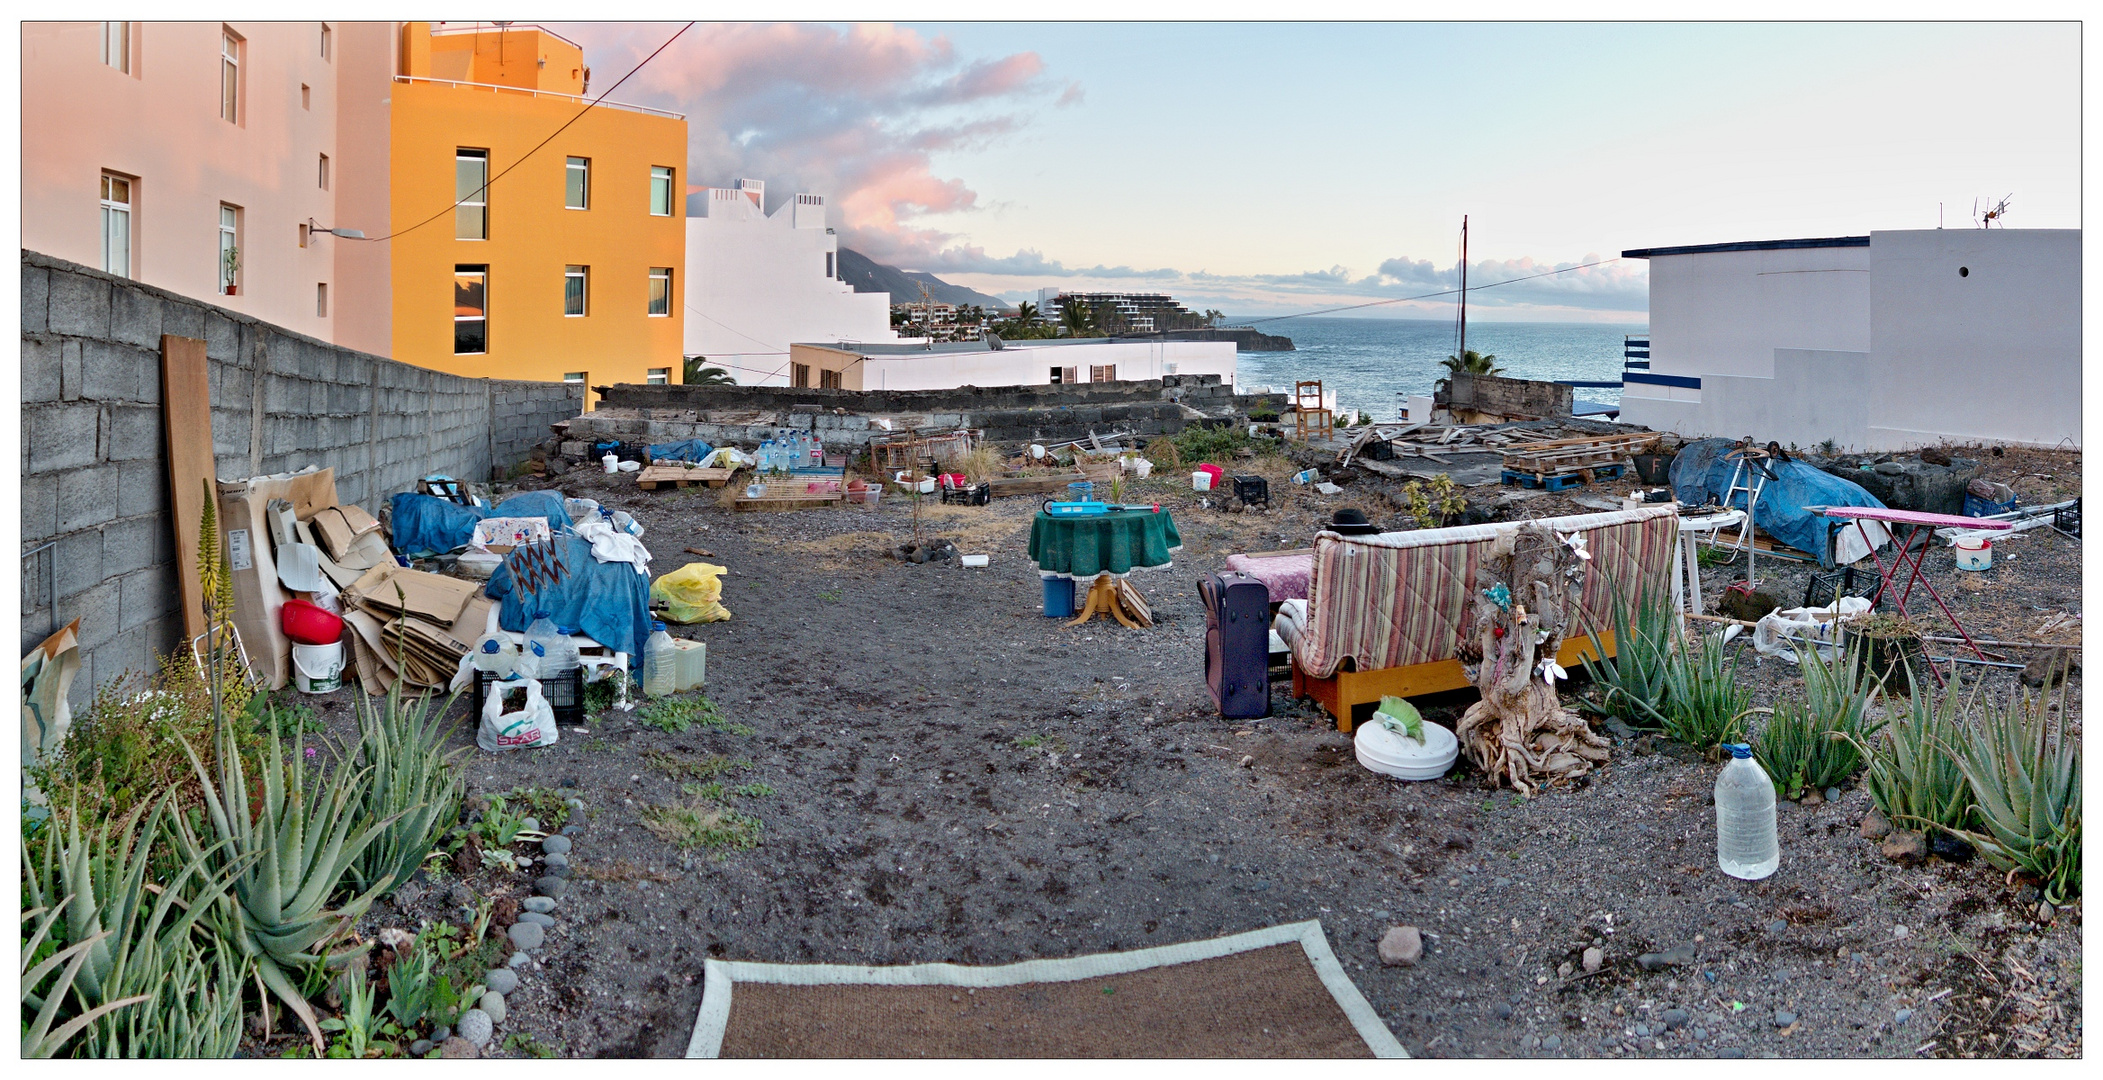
[
  {"x": 1950, "y": 847},
  {"x": 441, "y": 1034},
  {"x": 1891, "y": 468},
  {"x": 518, "y": 960},
  {"x": 1899, "y": 931},
  {"x": 2045, "y": 911},
  {"x": 493, "y": 1004},
  {"x": 556, "y": 845},
  {"x": 1504, "y": 1011},
  {"x": 476, "y": 1027},
  {"x": 557, "y": 466},
  {"x": 1675, "y": 1018},
  {"x": 1551, "y": 1042},
  {"x": 1401, "y": 945},
  {"x": 459, "y": 895},
  {"x": 551, "y": 885},
  {"x": 1874, "y": 825},
  {"x": 1783, "y": 1018},
  {"x": 1935, "y": 455},
  {"x": 542, "y": 904},
  {"x": 1778, "y": 926},
  {"x": 1593, "y": 958},
  {"x": 419, "y": 1048},
  {"x": 1709, "y": 975},
  {"x": 527, "y": 935},
  {"x": 1642, "y": 1031},
  {"x": 1673, "y": 957},
  {"x": 1903, "y": 1015},
  {"x": 500, "y": 980},
  {"x": 571, "y": 830},
  {"x": 457, "y": 1047},
  {"x": 1812, "y": 797},
  {"x": 537, "y": 919},
  {"x": 1832, "y": 794},
  {"x": 531, "y": 824},
  {"x": 1701, "y": 1034},
  {"x": 562, "y": 872},
  {"x": 525, "y": 862},
  {"x": 1731, "y": 1052},
  {"x": 1905, "y": 846},
  {"x": 556, "y": 861},
  {"x": 1563, "y": 969}
]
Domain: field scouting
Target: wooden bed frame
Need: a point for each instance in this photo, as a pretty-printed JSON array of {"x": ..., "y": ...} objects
[{"x": 1341, "y": 692}]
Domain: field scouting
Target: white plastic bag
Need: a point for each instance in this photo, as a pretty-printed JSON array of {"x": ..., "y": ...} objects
[
  {"x": 1780, "y": 632},
  {"x": 531, "y": 726}
]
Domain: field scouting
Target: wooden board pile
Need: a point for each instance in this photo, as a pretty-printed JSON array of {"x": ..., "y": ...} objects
[
  {"x": 675, "y": 475},
  {"x": 1433, "y": 441},
  {"x": 1579, "y": 458}
]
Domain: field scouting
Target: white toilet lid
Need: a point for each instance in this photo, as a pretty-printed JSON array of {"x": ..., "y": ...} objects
[{"x": 1390, "y": 754}]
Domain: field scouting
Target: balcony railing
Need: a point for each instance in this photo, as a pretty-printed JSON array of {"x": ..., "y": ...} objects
[{"x": 530, "y": 92}]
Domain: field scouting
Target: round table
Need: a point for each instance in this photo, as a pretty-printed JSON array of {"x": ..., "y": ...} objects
[
  {"x": 1686, "y": 570},
  {"x": 1105, "y": 547}
]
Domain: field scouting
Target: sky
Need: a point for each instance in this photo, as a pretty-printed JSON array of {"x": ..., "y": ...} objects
[{"x": 1283, "y": 167}]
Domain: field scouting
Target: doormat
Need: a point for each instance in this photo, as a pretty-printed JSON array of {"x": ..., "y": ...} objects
[{"x": 1271, "y": 993}]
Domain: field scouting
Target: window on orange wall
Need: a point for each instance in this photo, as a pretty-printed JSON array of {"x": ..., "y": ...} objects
[
  {"x": 324, "y": 172},
  {"x": 470, "y": 310},
  {"x": 660, "y": 290},
  {"x": 828, "y": 379},
  {"x": 799, "y": 374},
  {"x": 576, "y": 187},
  {"x": 471, "y": 194},
  {"x": 116, "y": 45},
  {"x": 321, "y": 300},
  {"x": 660, "y": 376},
  {"x": 661, "y": 190},
  {"x": 325, "y": 41},
  {"x": 229, "y": 249},
  {"x": 576, "y": 290}
]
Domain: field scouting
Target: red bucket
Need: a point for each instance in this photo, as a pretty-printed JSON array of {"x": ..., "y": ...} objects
[{"x": 309, "y": 624}]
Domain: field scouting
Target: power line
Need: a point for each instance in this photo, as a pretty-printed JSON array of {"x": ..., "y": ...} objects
[
  {"x": 1431, "y": 295},
  {"x": 593, "y": 104}
]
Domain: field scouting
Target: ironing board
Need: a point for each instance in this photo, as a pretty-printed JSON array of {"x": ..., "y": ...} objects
[{"x": 1913, "y": 521}]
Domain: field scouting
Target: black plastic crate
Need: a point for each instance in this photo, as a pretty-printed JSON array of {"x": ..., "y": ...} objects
[
  {"x": 565, "y": 697},
  {"x": 1825, "y": 588},
  {"x": 2067, "y": 519},
  {"x": 1252, "y": 490}
]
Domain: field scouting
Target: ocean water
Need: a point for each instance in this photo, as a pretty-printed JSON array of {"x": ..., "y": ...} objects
[{"x": 1372, "y": 364}]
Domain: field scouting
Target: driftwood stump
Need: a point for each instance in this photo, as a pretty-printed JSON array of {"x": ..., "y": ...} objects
[{"x": 1519, "y": 733}]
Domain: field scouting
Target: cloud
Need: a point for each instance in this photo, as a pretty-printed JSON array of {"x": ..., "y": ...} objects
[{"x": 856, "y": 113}]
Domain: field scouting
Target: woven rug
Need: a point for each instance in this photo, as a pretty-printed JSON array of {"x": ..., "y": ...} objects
[{"x": 1271, "y": 993}]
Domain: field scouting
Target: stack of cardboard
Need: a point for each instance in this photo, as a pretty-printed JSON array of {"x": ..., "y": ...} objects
[{"x": 413, "y": 626}]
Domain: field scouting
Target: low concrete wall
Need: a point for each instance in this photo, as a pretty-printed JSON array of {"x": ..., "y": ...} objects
[
  {"x": 94, "y": 452},
  {"x": 1201, "y": 391}
]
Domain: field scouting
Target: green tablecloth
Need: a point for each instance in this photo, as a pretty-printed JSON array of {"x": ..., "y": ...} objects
[{"x": 1087, "y": 545}]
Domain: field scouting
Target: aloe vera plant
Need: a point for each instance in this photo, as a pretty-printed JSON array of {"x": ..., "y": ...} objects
[
  {"x": 289, "y": 851},
  {"x": 1643, "y": 647},
  {"x": 1818, "y": 742},
  {"x": 2025, "y": 777},
  {"x": 1914, "y": 780},
  {"x": 39, "y": 1038},
  {"x": 414, "y": 784},
  {"x": 146, "y": 937}
]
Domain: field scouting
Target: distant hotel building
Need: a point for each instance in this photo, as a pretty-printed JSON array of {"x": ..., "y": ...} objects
[
  {"x": 756, "y": 282},
  {"x": 1032, "y": 362},
  {"x": 1142, "y": 313}
]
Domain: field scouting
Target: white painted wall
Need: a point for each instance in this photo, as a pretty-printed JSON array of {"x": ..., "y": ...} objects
[
  {"x": 756, "y": 283},
  {"x": 1994, "y": 354},
  {"x": 1726, "y": 312},
  {"x": 1026, "y": 364}
]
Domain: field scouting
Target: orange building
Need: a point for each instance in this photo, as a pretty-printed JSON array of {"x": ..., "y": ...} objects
[{"x": 565, "y": 264}]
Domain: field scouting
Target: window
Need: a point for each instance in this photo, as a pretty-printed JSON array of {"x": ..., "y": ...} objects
[
  {"x": 321, "y": 300},
  {"x": 471, "y": 194},
  {"x": 576, "y": 285},
  {"x": 661, "y": 190},
  {"x": 1061, "y": 375},
  {"x": 799, "y": 374},
  {"x": 828, "y": 379},
  {"x": 576, "y": 188},
  {"x": 325, "y": 42},
  {"x": 229, "y": 77},
  {"x": 828, "y": 264},
  {"x": 324, "y": 172},
  {"x": 470, "y": 310},
  {"x": 659, "y": 376},
  {"x": 1102, "y": 373},
  {"x": 306, "y": 96},
  {"x": 116, "y": 45},
  {"x": 229, "y": 249},
  {"x": 660, "y": 290},
  {"x": 116, "y": 225},
  {"x": 302, "y": 234},
  {"x": 575, "y": 376}
]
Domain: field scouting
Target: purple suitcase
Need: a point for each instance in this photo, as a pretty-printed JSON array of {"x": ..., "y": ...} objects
[{"x": 1237, "y": 643}]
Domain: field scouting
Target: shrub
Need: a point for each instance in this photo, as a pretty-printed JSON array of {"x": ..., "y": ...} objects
[
  {"x": 1702, "y": 704},
  {"x": 1645, "y": 635},
  {"x": 1818, "y": 742},
  {"x": 1200, "y": 444},
  {"x": 1912, "y": 777},
  {"x": 414, "y": 785},
  {"x": 1430, "y": 503},
  {"x": 2025, "y": 776}
]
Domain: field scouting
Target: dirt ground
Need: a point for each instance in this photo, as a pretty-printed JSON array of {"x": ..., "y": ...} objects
[{"x": 957, "y": 778}]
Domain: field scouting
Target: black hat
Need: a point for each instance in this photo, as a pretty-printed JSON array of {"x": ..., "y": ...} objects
[{"x": 1351, "y": 521}]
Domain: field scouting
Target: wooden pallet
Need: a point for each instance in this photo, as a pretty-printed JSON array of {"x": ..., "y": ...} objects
[
  {"x": 1053, "y": 485},
  {"x": 679, "y": 476},
  {"x": 789, "y": 493},
  {"x": 1565, "y": 479}
]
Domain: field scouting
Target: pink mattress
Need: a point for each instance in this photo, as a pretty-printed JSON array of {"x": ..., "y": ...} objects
[{"x": 1284, "y": 575}]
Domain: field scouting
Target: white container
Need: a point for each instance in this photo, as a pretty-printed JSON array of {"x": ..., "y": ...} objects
[
  {"x": 1746, "y": 844},
  {"x": 977, "y": 560},
  {"x": 690, "y": 663},
  {"x": 479, "y": 564},
  {"x": 660, "y": 673},
  {"x": 1201, "y": 481},
  {"x": 1142, "y": 468},
  {"x": 629, "y": 466},
  {"x": 613, "y": 464},
  {"x": 1392, "y": 754},
  {"x": 1974, "y": 553},
  {"x": 317, "y": 669}
]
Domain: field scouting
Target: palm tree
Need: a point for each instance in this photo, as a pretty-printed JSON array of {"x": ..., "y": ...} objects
[
  {"x": 1471, "y": 363},
  {"x": 697, "y": 375},
  {"x": 1212, "y": 317},
  {"x": 1026, "y": 313},
  {"x": 1077, "y": 319}
]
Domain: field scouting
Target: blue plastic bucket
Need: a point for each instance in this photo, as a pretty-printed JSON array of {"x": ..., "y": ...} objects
[
  {"x": 1083, "y": 491},
  {"x": 1058, "y": 596}
]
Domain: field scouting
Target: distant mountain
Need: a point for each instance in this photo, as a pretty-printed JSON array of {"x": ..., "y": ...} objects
[{"x": 868, "y": 275}]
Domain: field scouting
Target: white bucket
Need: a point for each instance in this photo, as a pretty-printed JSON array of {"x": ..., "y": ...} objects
[
  {"x": 1201, "y": 481},
  {"x": 1974, "y": 553},
  {"x": 612, "y": 464},
  {"x": 317, "y": 669}
]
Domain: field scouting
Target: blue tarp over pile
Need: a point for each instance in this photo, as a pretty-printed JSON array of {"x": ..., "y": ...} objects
[
  {"x": 1701, "y": 471},
  {"x": 683, "y": 450},
  {"x": 423, "y": 525},
  {"x": 608, "y": 601}
]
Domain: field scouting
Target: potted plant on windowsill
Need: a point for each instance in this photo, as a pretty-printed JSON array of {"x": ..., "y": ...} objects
[
  {"x": 1890, "y": 647},
  {"x": 229, "y": 265}
]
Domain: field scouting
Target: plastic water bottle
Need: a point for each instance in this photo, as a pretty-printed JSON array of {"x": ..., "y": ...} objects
[
  {"x": 495, "y": 654},
  {"x": 660, "y": 663},
  {"x": 558, "y": 660},
  {"x": 1746, "y": 845}
]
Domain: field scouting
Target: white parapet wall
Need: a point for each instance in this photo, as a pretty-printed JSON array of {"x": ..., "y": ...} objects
[{"x": 1016, "y": 363}]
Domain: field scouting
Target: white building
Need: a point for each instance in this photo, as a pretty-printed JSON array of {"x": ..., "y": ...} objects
[
  {"x": 1035, "y": 362},
  {"x": 1881, "y": 342},
  {"x": 756, "y": 282}
]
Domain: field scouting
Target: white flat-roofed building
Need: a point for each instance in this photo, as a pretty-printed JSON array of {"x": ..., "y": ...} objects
[
  {"x": 1882, "y": 342},
  {"x": 1035, "y": 362},
  {"x": 755, "y": 282}
]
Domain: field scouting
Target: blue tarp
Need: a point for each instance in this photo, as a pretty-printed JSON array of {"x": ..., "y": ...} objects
[
  {"x": 1701, "y": 471},
  {"x": 422, "y": 525},
  {"x": 610, "y": 602},
  {"x": 683, "y": 450}
]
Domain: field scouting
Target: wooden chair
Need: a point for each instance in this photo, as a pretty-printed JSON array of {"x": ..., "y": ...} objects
[{"x": 1310, "y": 413}]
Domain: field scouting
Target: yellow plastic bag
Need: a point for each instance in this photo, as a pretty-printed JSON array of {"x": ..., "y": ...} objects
[{"x": 690, "y": 594}]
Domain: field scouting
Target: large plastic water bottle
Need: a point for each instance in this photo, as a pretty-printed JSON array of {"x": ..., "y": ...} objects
[
  {"x": 495, "y": 654},
  {"x": 660, "y": 663},
  {"x": 1746, "y": 845},
  {"x": 558, "y": 660}
]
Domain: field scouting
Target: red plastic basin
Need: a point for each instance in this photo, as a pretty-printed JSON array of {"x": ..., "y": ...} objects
[{"x": 309, "y": 624}]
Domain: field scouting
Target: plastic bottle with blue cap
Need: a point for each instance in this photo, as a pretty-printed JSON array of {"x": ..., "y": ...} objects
[
  {"x": 660, "y": 663},
  {"x": 1747, "y": 845}
]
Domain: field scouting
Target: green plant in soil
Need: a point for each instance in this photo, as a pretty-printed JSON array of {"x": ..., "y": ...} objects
[
  {"x": 547, "y": 806},
  {"x": 502, "y": 824},
  {"x": 1702, "y": 705},
  {"x": 753, "y": 791},
  {"x": 1645, "y": 636},
  {"x": 355, "y": 1028},
  {"x": 599, "y": 696},
  {"x": 414, "y": 784},
  {"x": 2025, "y": 776},
  {"x": 1029, "y": 742},
  {"x": 674, "y": 715},
  {"x": 284, "y": 711},
  {"x": 1913, "y": 779},
  {"x": 1429, "y": 503},
  {"x": 123, "y": 748},
  {"x": 678, "y": 764},
  {"x": 695, "y": 823},
  {"x": 1817, "y": 743},
  {"x": 523, "y": 1043}
]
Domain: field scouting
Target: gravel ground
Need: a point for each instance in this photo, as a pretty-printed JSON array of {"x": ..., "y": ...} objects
[{"x": 956, "y": 778}]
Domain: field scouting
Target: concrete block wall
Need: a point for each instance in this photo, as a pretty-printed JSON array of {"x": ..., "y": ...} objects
[
  {"x": 94, "y": 465},
  {"x": 1199, "y": 391}
]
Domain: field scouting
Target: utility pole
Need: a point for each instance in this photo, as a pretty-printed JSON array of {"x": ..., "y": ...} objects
[{"x": 1464, "y": 288}]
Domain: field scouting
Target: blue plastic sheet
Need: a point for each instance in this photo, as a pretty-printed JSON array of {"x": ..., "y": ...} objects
[
  {"x": 610, "y": 602},
  {"x": 1701, "y": 471},
  {"x": 683, "y": 450},
  {"x": 422, "y": 525}
]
